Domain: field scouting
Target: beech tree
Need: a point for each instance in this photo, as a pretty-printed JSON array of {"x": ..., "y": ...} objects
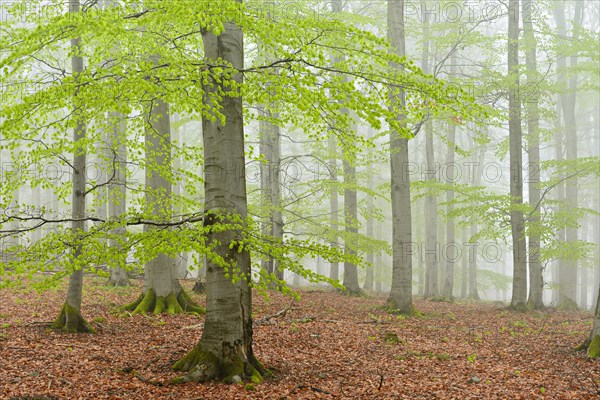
[
  {"x": 519, "y": 289},
  {"x": 400, "y": 297},
  {"x": 69, "y": 317}
]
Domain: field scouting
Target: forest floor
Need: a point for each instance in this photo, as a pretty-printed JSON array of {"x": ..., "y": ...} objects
[{"x": 326, "y": 346}]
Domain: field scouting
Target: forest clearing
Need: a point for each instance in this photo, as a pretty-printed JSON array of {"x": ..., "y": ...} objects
[{"x": 326, "y": 346}]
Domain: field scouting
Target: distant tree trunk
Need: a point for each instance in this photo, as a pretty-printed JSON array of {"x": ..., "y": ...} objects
[
  {"x": 583, "y": 276},
  {"x": 473, "y": 289},
  {"x": 431, "y": 239},
  {"x": 37, "y": 203},
  {"x": 464, "y": 272},
  {"x": 350, "y": 222},
  {"x": 568, "y": 272},
  {"x": 333, "y": 203},
  {"x": 69, "y": 319},
  {"x": 181, "y": 260},
  {"x": 225, "y": 348},
  {"x": 558, "y": 265},
  {"x": 370, "y": 224},
  {"x": 451, "y": 254},
  {"x": 596, "y": 239},
  {"x": 270, "y": 182},
  {"x": 276, "y": 203},
  {"x": 519, "y": 287},
  {"x": 536, "y": 279},
  {"x": 379, "y": 262},
  {"x": 420, "y": 242},
  {"x": 400, "y": 298},
  {"x": 117, "y": 198},
  {"x": 162, "y": 291}
]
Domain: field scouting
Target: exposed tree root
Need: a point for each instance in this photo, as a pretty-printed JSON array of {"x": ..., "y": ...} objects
[
  {"x": 593, "y": 350},
  {"x": 70, "y": 320},
  {"x": 568, "y": 305},
  {"x": 170, "y": 304},
  {"x": 392, "y": 307},
  {"x": 203, "y": 366}
]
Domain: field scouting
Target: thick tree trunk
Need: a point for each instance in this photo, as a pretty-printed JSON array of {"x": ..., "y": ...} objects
[
  {"x": 69, "y": 318},
  {"x": 536, "y": 280},
  {"x": 400, "y": 298},
  {"x": 225, "y": 348},
  {"x": 519, "y": 287}
]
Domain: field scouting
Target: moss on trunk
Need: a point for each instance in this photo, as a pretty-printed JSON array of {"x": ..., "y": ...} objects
[
  {"x": 568, "y": 305},
  {"x": 392, "y": 307},
  {"x": 593, "y": 349},
  {"x": 70, "y": 320},
  {"x": 171, "y": 304},
  {"x": 203, "y": 366}
]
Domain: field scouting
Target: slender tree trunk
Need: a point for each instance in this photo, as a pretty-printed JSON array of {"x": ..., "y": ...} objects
[
  {"x": 181, "y": 260},
  {"x": 117, "y": 199},
  {"x": 69, "y": 318},
  {"x": 568, "y": 272},
  {"x": 225, "y": 348},
  {"x": 473, "y": 289},
  {"x": 451, "y": 254},
  {"x": 431, "y": 239},
  {"x": 519, "y": 289},
  {"x": 536, "y": 280},
  {"x": 276, "y": 203},
  {"x": 583, "y": 275},
  {"x": 370, "y": 225},
  {"x": 333, "y": 203},
  {"x": 350, "y": 222},
  {"x": 558, "y": 265},
  {"x": 400, "y": 297},
  {"x": 464, "y": 272},
  {"x": 270, "y": 148}
]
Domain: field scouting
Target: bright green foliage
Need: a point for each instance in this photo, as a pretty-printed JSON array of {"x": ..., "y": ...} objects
[{"x": 120, "y": 77}]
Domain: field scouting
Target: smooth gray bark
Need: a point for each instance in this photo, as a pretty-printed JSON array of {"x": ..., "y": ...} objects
[
  {"x": 451, "y": 254},
  {"x": 370, "y": 257},
  {"x": 431, "y": 235},
  {"x": 117, "y": 194},
  {"x": 474, "y": 229},
  {"x": 400, "y": 297},
  {"x": 519, "y": 286},
  {"x": 536, "y": 280},
  {"x": 227, "y": 335},
  {"x": 160, "y": 273},
  {"x": 333, "y": 203},
  {"x": 568, "y": 271},
  {"x": 69, "y": 318}
]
